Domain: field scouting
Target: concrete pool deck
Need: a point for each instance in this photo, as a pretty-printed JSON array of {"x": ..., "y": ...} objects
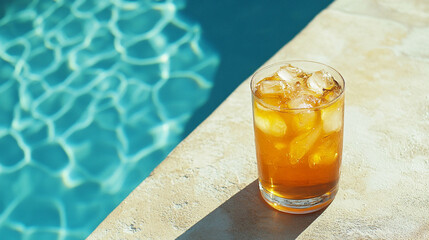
[{"x": 207, "y": 187}]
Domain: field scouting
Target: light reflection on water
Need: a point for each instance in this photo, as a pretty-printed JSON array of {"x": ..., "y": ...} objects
[{"x": 93, "y": 95}]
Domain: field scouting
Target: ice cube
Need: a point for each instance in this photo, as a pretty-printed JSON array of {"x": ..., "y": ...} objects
[
  {"x": 269, "y": 86},
  {"x": 331, "y": 95},
  {"x": 304, "y": 120},
  {"x": 332, "y": 117},
  {"x": 300, "y": 145},
  {"x": 296, "y": 72},
  {"x": 290, "y": 74},
  {"x": 286, "y": 76},
  {"x": 269, "y": 122},
  {"x": 320, "y": 80},
  {"x": 322, "y": 158},
  {"x": 303, "y": 101},
  {"x": 325, "y": 154}
]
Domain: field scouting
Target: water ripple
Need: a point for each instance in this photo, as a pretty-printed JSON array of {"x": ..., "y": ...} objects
[{"x": 93, "y": 95}]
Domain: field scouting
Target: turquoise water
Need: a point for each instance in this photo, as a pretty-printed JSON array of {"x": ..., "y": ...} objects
[{"x": 93, "y": 95}]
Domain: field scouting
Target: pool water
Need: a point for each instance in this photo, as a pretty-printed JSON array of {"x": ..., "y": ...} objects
[{"x": 95, "y": 94}]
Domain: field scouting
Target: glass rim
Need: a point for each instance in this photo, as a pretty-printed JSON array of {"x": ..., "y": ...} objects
[{"x": 280, "y": 109}]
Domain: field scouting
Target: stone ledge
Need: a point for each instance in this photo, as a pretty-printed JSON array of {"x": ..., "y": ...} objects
[{"x": 206, "y": 188}]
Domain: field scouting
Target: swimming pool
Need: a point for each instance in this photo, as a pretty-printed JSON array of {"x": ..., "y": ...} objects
[{"x": 93, "y": 95}]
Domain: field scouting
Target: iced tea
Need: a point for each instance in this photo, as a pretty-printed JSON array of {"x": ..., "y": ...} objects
[{"x": 298, "y": 110}]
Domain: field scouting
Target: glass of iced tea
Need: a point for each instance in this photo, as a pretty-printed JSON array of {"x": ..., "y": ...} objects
[{"x": 298, "y": 112}]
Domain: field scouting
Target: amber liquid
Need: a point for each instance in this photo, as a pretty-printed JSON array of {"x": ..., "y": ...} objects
[{"x": 303, "y": 161}]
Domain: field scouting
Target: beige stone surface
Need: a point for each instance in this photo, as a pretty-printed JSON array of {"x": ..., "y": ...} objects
[{"x": 207, "y": 189}]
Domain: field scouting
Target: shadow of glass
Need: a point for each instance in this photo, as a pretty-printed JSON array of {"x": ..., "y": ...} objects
[{"x": 246, "y": 216}]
